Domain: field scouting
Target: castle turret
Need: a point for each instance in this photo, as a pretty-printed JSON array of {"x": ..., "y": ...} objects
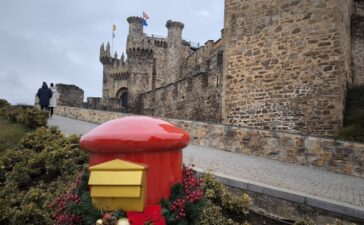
[
  {"x": 174, "y": 31},
  {"x": 107, "y": 62},
  {"x": 174, "y": 57},
  {"x": 105, "y": 53},
  {"x": 135, "y": 35},
  {"x": 122, "y": 57},
  {"x": 140, "y": 62}
]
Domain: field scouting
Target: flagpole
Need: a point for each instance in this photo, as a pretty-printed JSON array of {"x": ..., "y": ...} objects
[{"x": 112, "y": 38}]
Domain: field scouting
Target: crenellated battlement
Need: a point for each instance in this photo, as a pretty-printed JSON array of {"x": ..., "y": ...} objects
[
  {"x": 135, "y": 19},
  {"x": 160, "y": 43},
  {"x": 105, "y": 56},
  {"x": 120, "y": 75},
  {"x": 139, "y": 52},
  {"x": 118, "y": 64},
  {"x": 176, "y": 24}
]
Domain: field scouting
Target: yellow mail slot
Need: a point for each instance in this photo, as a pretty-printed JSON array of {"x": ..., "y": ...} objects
[
  {"x": 118, "y": 184},
  {"x": 115, "y": 177},
  {"x": 112, "y": 191}
]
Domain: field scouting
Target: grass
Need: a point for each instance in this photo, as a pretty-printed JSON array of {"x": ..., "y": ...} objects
[
  {"x": 10, "y": 134},
  {"x": 354, "y": 115}
]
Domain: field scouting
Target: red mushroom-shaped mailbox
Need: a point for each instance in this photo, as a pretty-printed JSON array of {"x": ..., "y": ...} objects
[{"x": 141, "y": 139}]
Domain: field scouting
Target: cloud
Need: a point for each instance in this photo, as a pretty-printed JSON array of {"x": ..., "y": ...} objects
[
  {"x": 203, "y": 13},
  {"x": 58, "y": 41}
]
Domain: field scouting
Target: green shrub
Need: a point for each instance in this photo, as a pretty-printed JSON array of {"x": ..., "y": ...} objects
[
  {"x": 33, "y": 118},
  {"x": 213, "y": 215},
  {"x": 13, "y": 113},
  {"x": 221, "y": 201},
  {"x": 32, "y": 175},
  {"x": 29, "y": 116},
  {"x": 4, "y": 103},
  {"x": 218, "y": 193},
  {"x": 186, "y": 201}
]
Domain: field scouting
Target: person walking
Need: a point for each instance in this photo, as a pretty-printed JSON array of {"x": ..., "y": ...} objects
[
  {"x": 44, "y": 94},
  {"x": 53, "y": 101}
]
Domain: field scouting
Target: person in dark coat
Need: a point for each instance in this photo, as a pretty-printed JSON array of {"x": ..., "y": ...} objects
[{"x": 44, "y": 94}]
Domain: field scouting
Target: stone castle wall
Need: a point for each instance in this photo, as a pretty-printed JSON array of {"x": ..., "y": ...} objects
[
  {"x": 204, "y": 59},
  {"x": 196, "y": 97},
  {"x": 110, "y": 104},
  {"x": 70, "y": 95},
  {"x": 282, "y": 65},
  {"x": 357, "y": 35},
  {"x": 287, "y": 64},
  {"x": 330, "y": 154}
]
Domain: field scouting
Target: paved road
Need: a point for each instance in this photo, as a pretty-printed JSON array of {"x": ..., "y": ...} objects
[{"x": 284, "y": 176}]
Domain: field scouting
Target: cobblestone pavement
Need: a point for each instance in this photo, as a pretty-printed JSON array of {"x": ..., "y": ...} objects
[{"x": 301, "y": 179}]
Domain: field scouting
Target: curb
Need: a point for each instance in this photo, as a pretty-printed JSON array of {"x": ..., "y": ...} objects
[{"x": 293, "y": 196}]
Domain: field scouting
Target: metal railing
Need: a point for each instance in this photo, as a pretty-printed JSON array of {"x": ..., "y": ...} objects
[
  {"x": 192, "y": 44},
  {"x": 156, "y": 36}
]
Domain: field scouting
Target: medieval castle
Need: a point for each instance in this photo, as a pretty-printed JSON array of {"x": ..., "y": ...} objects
[{"x": 279, "y": 65}]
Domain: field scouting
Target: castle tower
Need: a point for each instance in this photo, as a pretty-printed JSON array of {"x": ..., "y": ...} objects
[
  {"x": 288, "y": 74},
  {"x": 107, "y": 62},
  {"x": 135, "y": 36},
  {"x": 140, "y": 62},
  {"x": 174, "y": 58}
]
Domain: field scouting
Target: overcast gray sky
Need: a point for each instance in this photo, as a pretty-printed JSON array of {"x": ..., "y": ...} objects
[{"x": 59, "y": 41}]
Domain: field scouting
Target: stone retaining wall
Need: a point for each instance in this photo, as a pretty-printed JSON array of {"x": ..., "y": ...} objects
[{"x": 332, "y": 155}]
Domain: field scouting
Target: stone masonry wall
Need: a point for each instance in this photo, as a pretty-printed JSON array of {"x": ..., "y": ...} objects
[
  {"x": 357, "y": 35},
  {"x": 206, "y": 58},
  {"x": 70, "y": 95},
  {"x": 286, "y": 64},
  {"x": 332, "y": 155},
  {"x": 343, "y": 24},
  {"x": 196, "y": 97}
]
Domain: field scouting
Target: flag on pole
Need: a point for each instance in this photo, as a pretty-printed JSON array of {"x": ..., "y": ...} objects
[
  {"x": 113, "y": 30},
  {"x": 145, "y": 22},
  {"x": 145, "y": 17}
]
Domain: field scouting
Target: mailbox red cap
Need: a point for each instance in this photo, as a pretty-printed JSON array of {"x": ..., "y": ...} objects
[{"x": 134, "y": 134}]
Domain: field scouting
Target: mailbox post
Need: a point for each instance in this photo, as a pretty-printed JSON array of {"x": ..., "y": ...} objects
[{"x": 140, "y": 139}]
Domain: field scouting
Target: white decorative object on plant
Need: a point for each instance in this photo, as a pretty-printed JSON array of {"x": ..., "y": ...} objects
[{"x": 123, "y": 221}]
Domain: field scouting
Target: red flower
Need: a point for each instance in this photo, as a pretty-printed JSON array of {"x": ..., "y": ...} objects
[{"x": 107, "y": 216}]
